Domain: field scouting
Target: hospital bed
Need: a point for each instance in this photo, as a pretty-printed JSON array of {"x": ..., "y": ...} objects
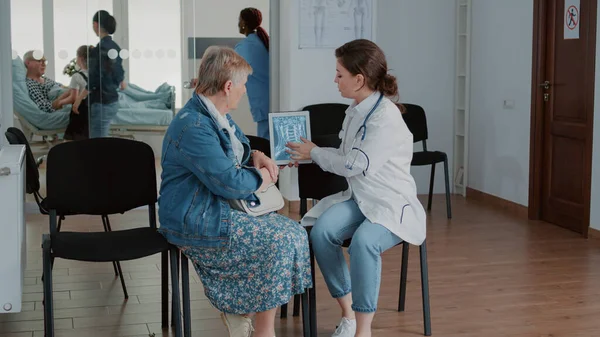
[{"x": 140, "y": 111}]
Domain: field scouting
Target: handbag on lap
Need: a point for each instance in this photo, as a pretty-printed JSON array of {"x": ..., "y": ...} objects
[{"x": 270, "y": 200}]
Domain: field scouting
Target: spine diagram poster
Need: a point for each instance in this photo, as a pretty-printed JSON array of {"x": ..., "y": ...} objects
[{"x": 331, "y": 23}]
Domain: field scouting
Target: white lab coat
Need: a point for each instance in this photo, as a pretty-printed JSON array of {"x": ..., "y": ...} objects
[{"x": 386, "y": 194}]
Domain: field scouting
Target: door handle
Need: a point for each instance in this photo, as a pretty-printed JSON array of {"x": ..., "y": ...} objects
[{"x": 546, "y": 85}]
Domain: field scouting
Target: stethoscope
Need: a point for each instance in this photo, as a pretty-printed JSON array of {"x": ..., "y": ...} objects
[{"x": 363, "y": 128}]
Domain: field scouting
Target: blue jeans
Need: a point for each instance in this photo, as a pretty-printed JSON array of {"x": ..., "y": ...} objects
[
  {"x": 341, "y": 222},
  {"x": 262, "y": 129},
  {"x": 100, "y": 117}
]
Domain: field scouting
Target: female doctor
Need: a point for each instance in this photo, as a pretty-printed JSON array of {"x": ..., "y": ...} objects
[{"x": 380, "y": 209}]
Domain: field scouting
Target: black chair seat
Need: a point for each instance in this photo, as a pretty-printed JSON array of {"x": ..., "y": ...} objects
[
  {"x": 120, "y": 245},
  {"x": 428, "y": 158}
]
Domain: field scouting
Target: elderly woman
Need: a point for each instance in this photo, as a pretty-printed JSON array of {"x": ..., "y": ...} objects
[{"x": 247, "y": 264}]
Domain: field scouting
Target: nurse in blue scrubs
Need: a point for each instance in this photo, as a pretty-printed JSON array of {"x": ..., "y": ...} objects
[{"x": 255, "y": 50}]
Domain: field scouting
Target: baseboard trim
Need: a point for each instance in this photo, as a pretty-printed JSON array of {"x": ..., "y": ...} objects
[
  {"x": 593, "y": 233},
  {"x": 492, "y": 200}
]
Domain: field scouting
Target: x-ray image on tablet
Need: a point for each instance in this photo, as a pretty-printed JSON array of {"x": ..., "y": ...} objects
[{"x": 287, "y": 127}]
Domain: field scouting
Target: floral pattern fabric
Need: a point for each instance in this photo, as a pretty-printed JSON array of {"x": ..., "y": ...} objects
[{"x": 267, "y": 262}]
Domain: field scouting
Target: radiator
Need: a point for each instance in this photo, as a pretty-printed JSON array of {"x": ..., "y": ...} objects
[{"x": 13, "y": 249}]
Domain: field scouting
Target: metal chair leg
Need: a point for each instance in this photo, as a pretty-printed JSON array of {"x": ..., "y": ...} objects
[
  {"x": 60, "y": 218},
  {"x": 185, "y": 285},
  {"x": 283, "y": 311},
  {"x": 312, "y": 296},
  {"x": 431, "y": 181},
  {"x": 177, "y": 259},
  {"x": 305, "y": 314},
  {"x": 425, "y": 289},
  {"x": 448, "y": 200},
  {"x": 48, "y": 300},
  {"x": 107, "y": 228},
  {"x": 116, "y": 264},
  {"x": 296, "y": 312},
  {"x": 403, "y": 274},
  {"x": 303, "y": 207},
  {"x": 164, "y": 289},
  {"x": 122, "y": 281},
  {"x": 175, "y": 288}
]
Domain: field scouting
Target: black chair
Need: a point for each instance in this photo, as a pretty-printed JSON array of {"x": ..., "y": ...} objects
[
  {"x": 326, "y": 118},
  {"x": 32, "y": 186},
  {"x": 260, "y": 144},
  {"x": 415, "y": 119},
  {"x": 32, "y": 176},
  {"x": 105, "y": 176},
  {"x": 424, "y": 284}
]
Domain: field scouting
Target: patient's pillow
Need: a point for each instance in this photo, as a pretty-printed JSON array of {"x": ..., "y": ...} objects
[{"x": 19, "y": 73}]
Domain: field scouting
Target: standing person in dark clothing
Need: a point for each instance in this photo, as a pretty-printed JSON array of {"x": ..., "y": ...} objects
[{"x": 106, "y": 75}]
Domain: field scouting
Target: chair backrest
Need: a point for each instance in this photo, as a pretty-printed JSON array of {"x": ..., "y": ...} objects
[
  {"x": 326, "y": 118},
  {"x": 260, "y": 144},
  {"x": 100, "y": 176},
  {"x": 415, "y": 119},
  {"x": 314, "y": 183},
  {"x": 32, "y": 174}
]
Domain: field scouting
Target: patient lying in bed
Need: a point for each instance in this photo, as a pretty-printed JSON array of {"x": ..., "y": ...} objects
[
  {"x": 137, "y": 106},
  {"x": 45, "y": 92}
]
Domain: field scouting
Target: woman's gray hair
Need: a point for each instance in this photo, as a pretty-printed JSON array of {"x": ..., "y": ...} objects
[{"x": 220, "y": 64}]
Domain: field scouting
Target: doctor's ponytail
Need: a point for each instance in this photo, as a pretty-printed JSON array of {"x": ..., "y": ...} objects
[{"x": 388, "y": 86}]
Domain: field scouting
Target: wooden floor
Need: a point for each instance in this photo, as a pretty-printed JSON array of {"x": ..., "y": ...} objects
[{"x": 490, "y": 275}]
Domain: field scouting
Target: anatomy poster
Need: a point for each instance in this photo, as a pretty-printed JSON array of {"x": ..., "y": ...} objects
[{"x": 331, "y": 23}]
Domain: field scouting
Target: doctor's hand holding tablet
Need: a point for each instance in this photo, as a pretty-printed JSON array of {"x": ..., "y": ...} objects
[{"x": 300, "y": 151}]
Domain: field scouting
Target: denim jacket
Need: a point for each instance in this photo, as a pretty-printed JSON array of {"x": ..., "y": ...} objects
[{"x": 200, "y": 174}]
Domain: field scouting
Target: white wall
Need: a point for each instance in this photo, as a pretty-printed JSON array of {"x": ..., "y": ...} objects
[
  {"x": 499, "y": 157},
  {"x": 420, "y": 50},
  {"x": 306, "y": 74},
  {"x": 501, "y": 54},
  {"x": 6, "y": 102}
]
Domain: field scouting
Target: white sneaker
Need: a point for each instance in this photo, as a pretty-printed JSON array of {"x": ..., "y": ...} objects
[
  {"x": 237, "y": 325},
  {"x": 346, "y": 328}
]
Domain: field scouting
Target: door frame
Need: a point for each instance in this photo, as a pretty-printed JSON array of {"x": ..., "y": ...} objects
[{"x": 537, "y": 113}]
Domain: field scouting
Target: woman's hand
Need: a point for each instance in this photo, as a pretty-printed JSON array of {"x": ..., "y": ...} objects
[
  {"x": 260, "y": 161},
  {"x": 266, "y": 177},
  {"x": 76, "y": 105},
  {"x": 300, "y": 151}
]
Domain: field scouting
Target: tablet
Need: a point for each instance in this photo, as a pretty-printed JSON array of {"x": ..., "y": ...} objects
[{"x": 287, "y": 127}]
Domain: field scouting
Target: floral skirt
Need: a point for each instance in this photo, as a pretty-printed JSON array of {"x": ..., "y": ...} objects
[{"x": 268, "y": 262}]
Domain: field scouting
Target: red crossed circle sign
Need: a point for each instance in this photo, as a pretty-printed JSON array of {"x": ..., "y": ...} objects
[{"x": 572, "y": 17}]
